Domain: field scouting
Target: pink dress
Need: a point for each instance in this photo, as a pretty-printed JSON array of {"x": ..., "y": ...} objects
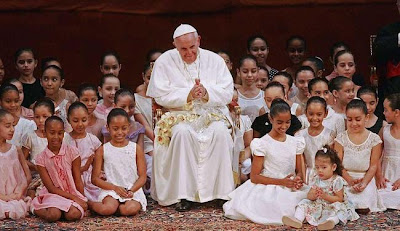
[
  {"x": 59, "y": 168},
  {"x": 87, "y": 146},
  {"x": 12, "y": 180},
  {"x": 102, "y": 111},
  {"x": 95, "y": 129}
]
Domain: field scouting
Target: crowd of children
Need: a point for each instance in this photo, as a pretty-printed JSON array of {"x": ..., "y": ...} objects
[{"x": 314, "y": 148}]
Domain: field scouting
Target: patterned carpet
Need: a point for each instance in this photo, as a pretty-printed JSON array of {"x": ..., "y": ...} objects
[{"x": 204, "y": 217}]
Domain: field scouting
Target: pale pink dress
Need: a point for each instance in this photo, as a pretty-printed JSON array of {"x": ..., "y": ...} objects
[
  {"x": 12, "y": 179},
  {"x": 59, "y": 168},
  {"x": 95, "y": 129},
  {"x": 102, "y": 111},
  {"x": 87, "y": 146}
]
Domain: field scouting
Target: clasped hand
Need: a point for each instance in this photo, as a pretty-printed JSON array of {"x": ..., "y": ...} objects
[
  {"x": 292, "y": 182},
  {"x": 198, "y": 91}
]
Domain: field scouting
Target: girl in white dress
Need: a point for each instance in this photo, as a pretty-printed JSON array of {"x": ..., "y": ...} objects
[
  {"x": 342, "y": 89},
  {"x": 388, "y": 178},
  {"x": 276, "y": 175},
  {"x": 326, "y": 202},
  {"x": 9, "y": 101},
  {"x": 251, "y": 98},
  {"x": 243, "y": 137},
  {"x": 125, "y": 167},
  {"x": 316, "y": 136},
  {"x": 360, "y": 151},
  {"x": 86, "y": 143},
  {"x": 35, "y": 142}
]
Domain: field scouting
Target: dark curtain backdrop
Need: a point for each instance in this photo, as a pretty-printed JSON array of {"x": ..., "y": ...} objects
[{"x": 78, "y": 32}]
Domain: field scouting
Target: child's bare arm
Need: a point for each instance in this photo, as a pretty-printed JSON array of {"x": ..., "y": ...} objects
[
  {"x": 31, "y": 166},
  {"x": 141, "y": 168},
  {"x": 373, "y": 165},
  {"x": 76, "y": 174},
  {"x": 257, "y": 178},
  {"x": 48, "y": 183},
  {"x": 148, "y": 129},
  {"x": 339, "y": 149}
]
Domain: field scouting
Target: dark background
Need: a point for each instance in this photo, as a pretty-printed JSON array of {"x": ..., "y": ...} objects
[{"x": 78, "y": 32}]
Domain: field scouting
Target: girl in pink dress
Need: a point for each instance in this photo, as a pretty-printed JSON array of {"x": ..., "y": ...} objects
[
  {"x": 87, "y": 94},
  {"x": 59, "y": 167},
  {"x": 14, "y": 173},
  {"x": 108, "y": 86},
  {"x": 86, "y": 143}
]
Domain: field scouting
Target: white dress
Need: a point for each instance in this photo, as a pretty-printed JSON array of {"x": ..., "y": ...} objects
[
  {"x": 121, "y": 170},
  {"x": 185, "y": 168},
  {"x": 333, "y": 121},
  {"x": 313, "y": 144},
  {"x": 390, "y": 169},
  {"x": 245, "y": 126},
  {"x": 23, "y": 127},
  {"x": 34, "y": 143},
  {"x": 87, "y": 146},
  {"x": 356, "y": 160},
  {"x": 267, "y": 204},
  {"x": 251, "y": 106},
  {"x": 144, "y": 107}
]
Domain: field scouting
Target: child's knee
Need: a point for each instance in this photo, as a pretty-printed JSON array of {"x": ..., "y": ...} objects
[
  {"x": 73, "y": 214},
  {"x": 50, "y": 214},
  {"x": 108, "y": 207},
  {"x": 129, "y": 209}
]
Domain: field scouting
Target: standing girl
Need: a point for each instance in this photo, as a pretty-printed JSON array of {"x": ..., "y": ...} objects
[
  {"x": 35, "y": 142},
  {"x": 342, "y": 89},
  {"x": 88, "y": 95},
  {"x": 125, "y": 167},
  {"x": 86, "y": 143},
  {"x": 251, "y": 98},
  {"x": 388, "y": 178},
  {"x": 15, "y": 175},
  {"x": 144, "y": 113},
  {"x": 52, "y": 80},
  {"x": 360, "y": 151},
  {"x": 9, "y": 101},
  {"x": 59, "y": 168},
  {"x": 326, "y": 202},
  {"x": 110, "y": 63},
  {"x": 257, "y": 46},
  {"x": 296, "y": 50},
  {"x": 275, "y": 177},
  {"x": 25, "y": 62},
  {"x": 316, "y": 135},
  {"x": 108, "y": 86},
  {"x": 370, "y": 97}
]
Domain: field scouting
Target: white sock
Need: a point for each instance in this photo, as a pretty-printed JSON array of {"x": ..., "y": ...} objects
[{"x": 299, "y": 214}]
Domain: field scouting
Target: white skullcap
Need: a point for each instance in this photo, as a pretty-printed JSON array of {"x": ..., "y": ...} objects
[{"x": 183, "y": 29}]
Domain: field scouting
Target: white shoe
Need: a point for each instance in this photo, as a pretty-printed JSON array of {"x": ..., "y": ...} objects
[
  {"x": 292, "y": 222},
  {"x": 327, "y": 225}
]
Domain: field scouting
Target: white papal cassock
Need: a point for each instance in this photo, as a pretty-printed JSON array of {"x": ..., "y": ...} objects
[{"x": 196, "y": 166}]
